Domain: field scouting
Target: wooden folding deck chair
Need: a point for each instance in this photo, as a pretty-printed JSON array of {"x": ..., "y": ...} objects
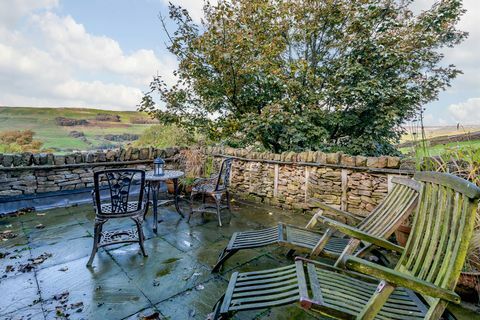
[
  {"x": 420, "y": 286},
  {"x": 381, "y": 222}
]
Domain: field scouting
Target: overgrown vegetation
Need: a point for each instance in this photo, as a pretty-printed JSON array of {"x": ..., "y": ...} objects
[
  {"x": 163, "y": 136},
  {"x": 19, "y": 141},
  {"x": 311, "y": 75}
]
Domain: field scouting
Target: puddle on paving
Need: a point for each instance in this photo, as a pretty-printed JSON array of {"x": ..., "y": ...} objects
[{"x": 115, "y": 296}]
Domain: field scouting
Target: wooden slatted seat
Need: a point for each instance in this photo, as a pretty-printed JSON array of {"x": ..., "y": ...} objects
[
  {"x": 419, "y": 287},
  {"x": 310, "y": 283},
  {"x": 382, "y": 222}
]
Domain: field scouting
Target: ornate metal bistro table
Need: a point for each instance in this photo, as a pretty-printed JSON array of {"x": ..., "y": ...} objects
[{"x": 154, "y": 183}]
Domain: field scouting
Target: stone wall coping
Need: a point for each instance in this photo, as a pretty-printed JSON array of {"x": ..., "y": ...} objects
[
  {"x": 80, "y": 165},
  {"x": 317, "y": 164}
]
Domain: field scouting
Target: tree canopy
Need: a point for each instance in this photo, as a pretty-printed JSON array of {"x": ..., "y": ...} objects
[{"x": 332, "y": 75}]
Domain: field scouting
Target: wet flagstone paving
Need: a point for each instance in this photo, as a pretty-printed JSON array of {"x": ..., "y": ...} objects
[{"x": 43, "y": 273}]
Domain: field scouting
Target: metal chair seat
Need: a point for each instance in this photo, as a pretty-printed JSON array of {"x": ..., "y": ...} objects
[
  {"x": 207, "y": 188},
  {"x": 132, "y": 208}
]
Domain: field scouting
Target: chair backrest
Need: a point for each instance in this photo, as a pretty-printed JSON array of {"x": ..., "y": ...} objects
[
  {"x": 442, "y": 229},
  {"x": 394, "y": 209},
  {"x": 117, "y": 183},
  {"x": 224, "y": 174}
]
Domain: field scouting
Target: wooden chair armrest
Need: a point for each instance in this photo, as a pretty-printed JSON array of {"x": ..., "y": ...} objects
[
  {"x": 399, "y": 279},
  {"x": 336, "y": 211},
  {"x": 358, "y": 234}
]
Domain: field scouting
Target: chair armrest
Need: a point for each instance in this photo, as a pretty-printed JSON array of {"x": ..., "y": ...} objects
[
  {"x": 400, "y": 279},
  {"x": 358, "y": 234},
  {"x": 336, "y": 211}
]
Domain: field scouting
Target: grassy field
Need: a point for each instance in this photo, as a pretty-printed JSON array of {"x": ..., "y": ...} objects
[
  {"x": 42, "y": 122},
  {"x": 441, "y": 148},
  {"x": 443, "y": 131}
]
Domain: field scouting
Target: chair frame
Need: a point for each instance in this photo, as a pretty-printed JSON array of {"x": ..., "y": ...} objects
[
  {"x": 118, "y": 206},
  {"x": 215, "y": 187},
  {"x": 419, "y": 287},
  {"x": 325, "y": 243}
]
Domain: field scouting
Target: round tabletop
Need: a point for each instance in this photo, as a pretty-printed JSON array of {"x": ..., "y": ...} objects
[{"x": 168, "y": 174}]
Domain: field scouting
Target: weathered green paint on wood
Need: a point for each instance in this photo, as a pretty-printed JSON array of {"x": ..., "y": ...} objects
[
  {"x": 430, "y": 264},
  {"x": 374, "y": 229}
]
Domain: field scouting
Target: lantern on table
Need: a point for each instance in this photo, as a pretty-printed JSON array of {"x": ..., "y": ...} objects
[{"x": 158, "y": 165}]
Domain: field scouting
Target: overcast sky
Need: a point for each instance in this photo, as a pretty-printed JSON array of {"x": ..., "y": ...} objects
[{"x": 103, "y": 53}]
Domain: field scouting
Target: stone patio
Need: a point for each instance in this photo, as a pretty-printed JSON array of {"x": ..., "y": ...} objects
[{"x": 44, "y": 274}]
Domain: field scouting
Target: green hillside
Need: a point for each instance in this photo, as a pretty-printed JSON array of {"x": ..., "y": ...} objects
[{"x": 57, "y": 137}]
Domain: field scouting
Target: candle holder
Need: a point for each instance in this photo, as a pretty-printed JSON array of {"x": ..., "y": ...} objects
[{"x": 158, "y": 165}]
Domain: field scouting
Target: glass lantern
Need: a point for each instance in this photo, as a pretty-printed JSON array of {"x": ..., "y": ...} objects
[{"x": 158, "y": 165}]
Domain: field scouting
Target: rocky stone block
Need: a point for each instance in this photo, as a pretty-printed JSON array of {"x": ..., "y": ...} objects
[
  {"x": 17, "y": 160},
  {"x": 70, "y": 159},
  {"x": 143, "y": 154},
  {"x": 59, "y": 160},
  {"x": 7, "y": 160},
  {"x": 10, "y": 193},
  {"x": 333, "y": 158},
  {"x": 348, "y": 160},
  {"x": 50, "y": 159}
]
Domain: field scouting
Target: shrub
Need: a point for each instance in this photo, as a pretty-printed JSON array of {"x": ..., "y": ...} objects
[
  {"x": 19, "y": 141},
  {"x": 161, "y": 136},
  {"x": 108, "y": 117},
  {"x": 67, "y": 122}
]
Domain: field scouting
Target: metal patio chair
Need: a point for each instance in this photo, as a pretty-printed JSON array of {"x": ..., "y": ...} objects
[
  {"x": 216, "y": 187},
  {"x": 113, "y": 199},
  {"x": 381, "y": 222},
  {"x": 419, "y": 287}
]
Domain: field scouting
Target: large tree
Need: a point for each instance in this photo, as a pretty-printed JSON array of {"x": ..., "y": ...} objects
[{"x": 306, "y": 74}]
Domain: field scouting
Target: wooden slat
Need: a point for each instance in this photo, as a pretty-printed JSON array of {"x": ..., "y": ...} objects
[
  {"x": 422, "y": 249},
  {"x": 228, "y": 294},
  {"x": 450, "y": 181},
  {"x": 314, "y": 284},
  {"x": 302, "y": 282}
]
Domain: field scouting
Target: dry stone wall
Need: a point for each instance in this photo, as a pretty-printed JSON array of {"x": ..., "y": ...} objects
[
  {"x": 27, "y": 174},
  {"x": 290, "y": 180}
]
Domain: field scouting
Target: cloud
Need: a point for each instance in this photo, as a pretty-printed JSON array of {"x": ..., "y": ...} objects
[
  {"x": 71, "y": 42},
  {"x": 49, "y": 60},
  {"x": 467, "y": 112},
  {"x": 11, "y": 11}
]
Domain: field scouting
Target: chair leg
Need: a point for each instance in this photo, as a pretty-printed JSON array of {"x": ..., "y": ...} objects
[
  {"x": 228, "y": 200},
  {"x": 215, "y": 315},
  {"x": 192, "y": 196},
  {"x": 97, "y": 232},
  {"x": 222, "y": 258},
  {"x": 290, "y": 253},
  {"x": 218, "y": 203},
  {"x": 141, "y": 236}
]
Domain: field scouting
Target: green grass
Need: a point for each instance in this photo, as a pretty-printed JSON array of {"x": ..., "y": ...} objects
[
  {"x": 42, "y": 122},
  {"x": 441, "y": 148}
]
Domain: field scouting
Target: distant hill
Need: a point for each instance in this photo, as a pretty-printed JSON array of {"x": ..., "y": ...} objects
[
  {"x": 441, "y": 138},
  {"x": 68, "y": 129}
]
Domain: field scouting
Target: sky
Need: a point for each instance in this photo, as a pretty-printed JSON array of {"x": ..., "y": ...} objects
[{"x": 103, "y": 54}]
